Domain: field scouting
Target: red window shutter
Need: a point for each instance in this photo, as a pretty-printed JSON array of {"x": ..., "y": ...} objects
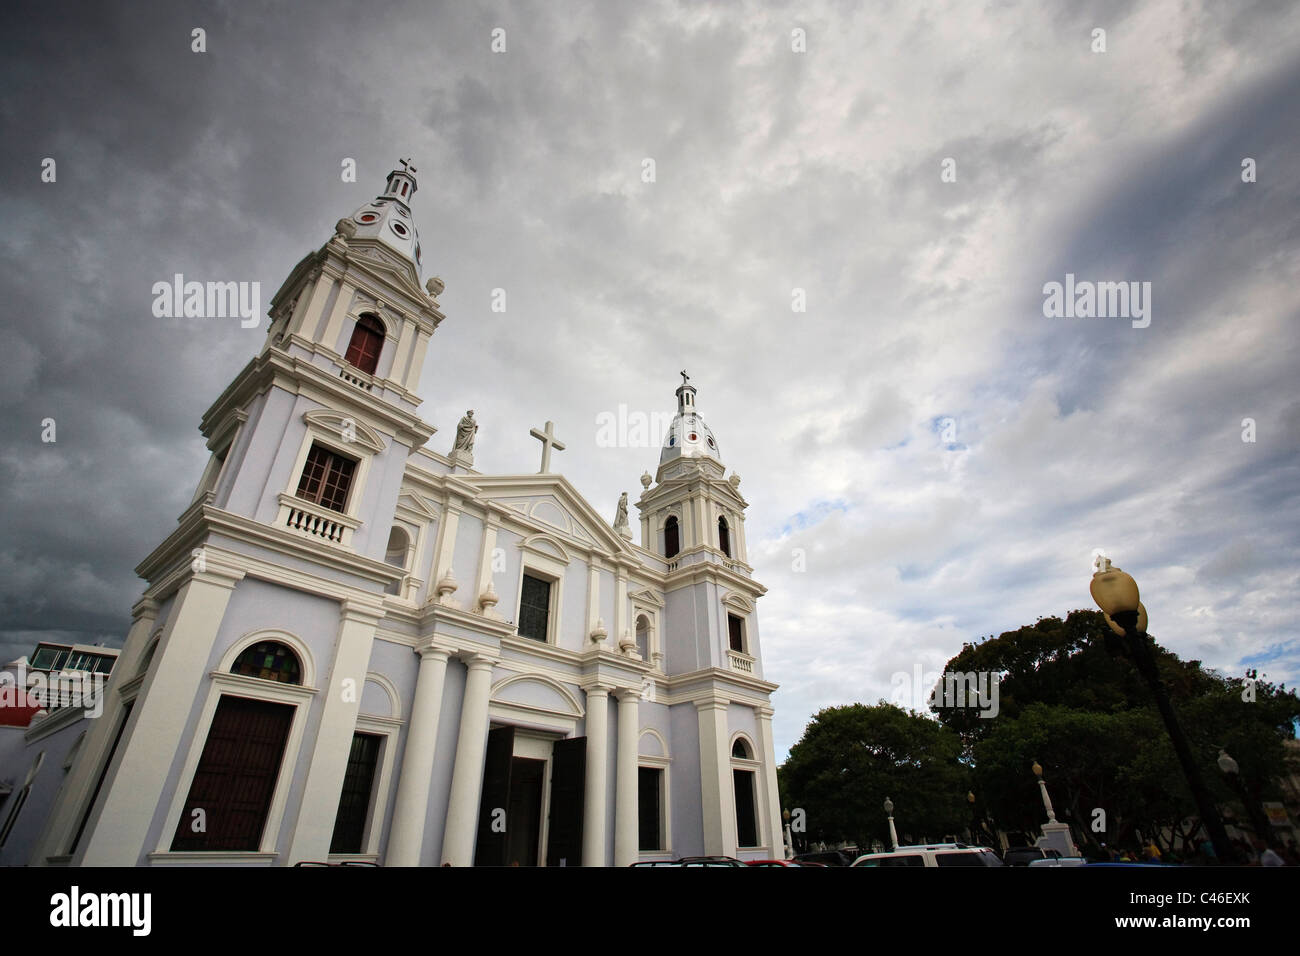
[{"x": 366, "y": 344}]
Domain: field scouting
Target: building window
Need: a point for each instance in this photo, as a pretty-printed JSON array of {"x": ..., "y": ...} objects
[
  {"x": 269, "y": 660},
  {"x": 230, "y": 795},
  {"x": 740, "y": 750},
  {"x": 354, "y": 803},
  {"x": 649, "y": 795},
  {"x": 672, "y": 539},
  {"x": 366, "y": 344},
  {"x": 736, "y": 633},
  {"x": 724, "y": 537},
  {"x": 49, "y": 658},
  {"x": 326, "y": 478},
  {"x": 534, "y": 608}
]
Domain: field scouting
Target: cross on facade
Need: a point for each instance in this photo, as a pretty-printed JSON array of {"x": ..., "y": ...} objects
[
  {"x": 547, "y": 438},
  {"x": 685, "y": 378},
  {"x": 407, "y": 164}
]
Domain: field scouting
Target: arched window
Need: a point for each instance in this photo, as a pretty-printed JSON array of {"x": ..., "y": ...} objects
[
  {"x": 367, "y": 341},
  {"x": 672, "y": 540},
  {"x": 269, "y": 660},
  {"x": 724, "y": 537},
  {"x": 744, "y": 794}
]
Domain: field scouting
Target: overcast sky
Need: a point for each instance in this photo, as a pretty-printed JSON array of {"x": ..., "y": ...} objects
[{"x": 938, "y": 455}]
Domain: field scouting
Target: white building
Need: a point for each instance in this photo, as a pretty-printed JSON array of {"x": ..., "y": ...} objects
[{"x": 356, "y": 647}]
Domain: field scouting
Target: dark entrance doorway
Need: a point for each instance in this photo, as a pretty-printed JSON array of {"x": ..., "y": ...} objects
[
  {"x": 524, "y": 811},
  {"x": 746, "y": 821},
  {"x": 513, "y": 801},
  {"x": 236, "y": 776}
]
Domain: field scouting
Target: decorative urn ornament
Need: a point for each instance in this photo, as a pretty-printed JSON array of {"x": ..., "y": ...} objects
[{"x": 1114, "y": 591}]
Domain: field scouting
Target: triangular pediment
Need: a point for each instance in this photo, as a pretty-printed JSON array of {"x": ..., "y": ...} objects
[
  {"x": 395, "y": 268},
  {"x": 553, "y": 503}
]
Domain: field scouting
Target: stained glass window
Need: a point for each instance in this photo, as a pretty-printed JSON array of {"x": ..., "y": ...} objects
[{"x": 269, "y": 660}]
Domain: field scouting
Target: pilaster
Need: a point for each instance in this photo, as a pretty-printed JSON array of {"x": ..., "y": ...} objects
[
  {"x": 116, "y": 836},
  {"x": 717, "y": 798},
  {"x": 329, "y": 758}
]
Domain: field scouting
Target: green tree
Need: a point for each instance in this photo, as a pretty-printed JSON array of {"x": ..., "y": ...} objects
[
  {"x": 851, "y": 758},
  {"x": 1066, "y": 700}
]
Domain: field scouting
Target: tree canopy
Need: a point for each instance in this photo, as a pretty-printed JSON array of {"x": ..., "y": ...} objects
[{"x": 851, "y": 758}]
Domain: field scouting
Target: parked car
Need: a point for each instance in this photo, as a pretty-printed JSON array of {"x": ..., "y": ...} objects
[
  {"x": 709, "y": 861},
  {"x": 783, "y": 863},
  {"x": 1024, "y": 855},
  {"x": 843, "y": 857},
  {"x": 692, "y": 861},
  {"x": 932, "y": 854}
]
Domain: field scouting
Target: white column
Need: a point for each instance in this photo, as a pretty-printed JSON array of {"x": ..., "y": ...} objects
[
  {"x": 445, "y": 547},
  {"x": 593, "y": 598},
  {"x": 626, "y": 830},
  {"x": 597, "y": 781},
  {"x": 768, "y": 785},
  {"x": 334, "y": 327},
  {"x": 329, "y": 758},
  {"x": 406, "y": 839},
  {"x": 467, "y": 773},
  {"x": 620, "y": 604},
  {"x": 487, "y": 544},
  {"x": 116, "y": 837},
  {"x": 716, "y": 789},
  {"x": 311, "y": 317},
  {"x": 405, "y": 340},
  {"x": 412, "y": 380}
]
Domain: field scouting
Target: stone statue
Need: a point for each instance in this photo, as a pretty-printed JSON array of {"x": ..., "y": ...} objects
[
  {"x": 345, "y": 228},
  {"x": 465, "y": 433},
  {"x": 620, "y": 516}
]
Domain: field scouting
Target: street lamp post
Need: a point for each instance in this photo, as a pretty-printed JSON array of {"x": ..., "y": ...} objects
[
  {"x": 1055, "y": 833},
  {"x": 974, "y": 818},
  {"x": 893, "y": 834},
  {"x": 1232, "y": 771},
  {"x": 1116, "y": 593}
]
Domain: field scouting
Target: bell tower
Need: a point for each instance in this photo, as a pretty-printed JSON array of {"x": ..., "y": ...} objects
[
  {"x": 694, "y": 519},
  {"x": 313, "y": 434}
]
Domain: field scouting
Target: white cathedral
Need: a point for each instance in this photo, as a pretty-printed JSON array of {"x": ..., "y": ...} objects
[{"x": 356, "y": 648}]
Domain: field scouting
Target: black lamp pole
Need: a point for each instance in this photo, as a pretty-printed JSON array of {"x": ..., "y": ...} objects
[{"x": 1138, "y": 645}]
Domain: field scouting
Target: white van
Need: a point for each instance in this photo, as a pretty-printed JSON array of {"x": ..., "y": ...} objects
[{"x": 932, "y": 854}]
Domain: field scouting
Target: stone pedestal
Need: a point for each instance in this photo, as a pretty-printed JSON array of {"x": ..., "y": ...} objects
[
  {"x": 1056, "y": 836},
  {"x": 461, "y": 459}
]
